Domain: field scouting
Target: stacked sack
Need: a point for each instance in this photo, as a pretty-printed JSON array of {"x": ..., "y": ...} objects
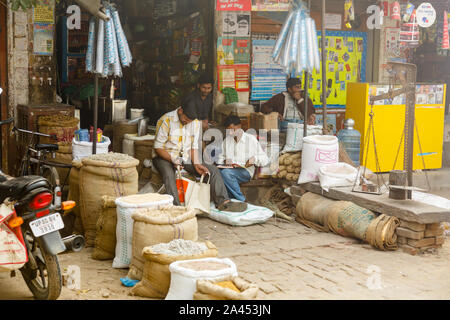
[
  {"x": 110, "y": 174},
  {"x": 290, "y": 166}
]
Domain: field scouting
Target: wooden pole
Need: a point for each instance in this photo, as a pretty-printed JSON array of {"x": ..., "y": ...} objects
[
  {"x": 305, "y": 123},
  {"x": 324, "y": 71}
]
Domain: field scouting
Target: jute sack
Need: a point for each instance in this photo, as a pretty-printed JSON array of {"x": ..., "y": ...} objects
[
  {"x": 155, "y": 281},
  {"x": 63, "y": 127},
  {"x": 349, "y": 220},
  {"x": 210, "y": 290},
  {"x": 143, "y": 150},
  {"x": 159, "y": 226},
  {"x": 105, "y": 241},
  {"x": 312, "y": 211},
  {"x": 64, "y": 156},
  {"x": 74, "y": 195},
  {"x": 382, "y": 234},
  {"x": 115, "y": 176},
  {"x": 121, "y": 128}
]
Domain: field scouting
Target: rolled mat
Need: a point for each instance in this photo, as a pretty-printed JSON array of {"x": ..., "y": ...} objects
[{"x": 381, "y": 233}]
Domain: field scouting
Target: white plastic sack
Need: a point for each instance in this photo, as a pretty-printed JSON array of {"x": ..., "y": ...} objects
[
  {"x": 337, "y": 175},
  {"x": 83, "y": 149},
  {"x": 130, "y": 139},
  {"x": 253, "y": 215},
  {"x": 13, "y": 253},
  {"x": 294, "y": 136},
  {"x": 124, "y": 228},
  {"x": 317, "y": 151},
  {"x": 183, "y": 281}
]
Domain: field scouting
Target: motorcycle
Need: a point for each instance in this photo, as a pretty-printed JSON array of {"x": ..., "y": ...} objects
[{"x": 29, "y": 232}]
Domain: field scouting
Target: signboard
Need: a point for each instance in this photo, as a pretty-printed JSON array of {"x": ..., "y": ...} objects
[
  {"x": 426, "y": 15},
  {"x": 272, "y": 5},
  {"x": 43, "y": 12},
  {"x": 333, "y": 21},
  {"x": 236, "y": 76},
  {"x": 231, "y": 51},
  {"x": 234, "y": 5},
  {"x": 43, "y": 39}
]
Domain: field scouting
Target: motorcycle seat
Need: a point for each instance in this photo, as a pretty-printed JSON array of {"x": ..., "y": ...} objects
[
  {"x": 48, "y": 147},
  {"x": 18, "y": 187}
]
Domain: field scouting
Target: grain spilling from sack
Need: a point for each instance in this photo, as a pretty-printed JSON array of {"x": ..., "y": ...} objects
[
  {"x": 110, "y": 174},
  {"x": 105, "y": 241},
  {"x": 159, "y": 226},
  {"x": 156, "y": 274}
]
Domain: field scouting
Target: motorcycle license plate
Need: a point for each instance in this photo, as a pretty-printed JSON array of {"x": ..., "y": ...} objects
[{"x": 46, "y": 225}]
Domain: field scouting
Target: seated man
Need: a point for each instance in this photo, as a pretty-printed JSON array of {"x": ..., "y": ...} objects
[
  {"x": 201, "y": 100},
  {"x": 291, "y": 104},
  {"x": 241, "y": 152},
  {"x": 176, "y": 145}
]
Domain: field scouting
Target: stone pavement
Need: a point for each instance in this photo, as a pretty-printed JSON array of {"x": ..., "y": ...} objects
[{"x": 290, "y": 261}]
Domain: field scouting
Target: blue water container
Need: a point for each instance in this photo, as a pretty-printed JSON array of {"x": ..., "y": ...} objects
[
  {"x": 351, "y": 140},
  {"x": 83, "y": 135}
]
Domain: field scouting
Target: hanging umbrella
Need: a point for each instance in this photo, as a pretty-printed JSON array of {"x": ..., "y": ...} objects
[{"x": 107, "y": 51}]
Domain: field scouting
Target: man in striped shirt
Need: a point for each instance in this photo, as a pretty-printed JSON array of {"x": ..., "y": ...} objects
[{"x": 177, "y": 145}]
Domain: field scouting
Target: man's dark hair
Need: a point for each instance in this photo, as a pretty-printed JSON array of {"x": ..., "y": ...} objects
[
  {"x": 205, "y": 79},
  {"x": 232, "y": 120},
  {"x": 189, "y": 109},
  {"x": 293, "y": 82}
]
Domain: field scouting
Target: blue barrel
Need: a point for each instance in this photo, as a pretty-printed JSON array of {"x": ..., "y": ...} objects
[{"x": 351, "y": 140}]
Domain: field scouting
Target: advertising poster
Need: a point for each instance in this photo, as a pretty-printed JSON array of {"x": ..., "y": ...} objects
[
  {"x": 270, "y": 5},
  {"x": 43, "y": 12},
  {"x": 236, "y": 76},
  {"x": 43, "y": 39},
  {"x": 234, "y": 5},
  {"x": 231, "y": 51},
  {"x": 236, "y": 24}
]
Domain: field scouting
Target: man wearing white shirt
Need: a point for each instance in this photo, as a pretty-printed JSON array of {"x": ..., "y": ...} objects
[
  {"x": 177, "y": 146},
  {"x": 241, "y": 152}
]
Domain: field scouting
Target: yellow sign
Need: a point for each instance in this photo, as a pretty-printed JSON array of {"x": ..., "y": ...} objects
[{"x": 44, "y": 12}]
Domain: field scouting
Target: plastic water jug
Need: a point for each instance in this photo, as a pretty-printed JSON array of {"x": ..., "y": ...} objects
[{"x": 351, "y": 139}]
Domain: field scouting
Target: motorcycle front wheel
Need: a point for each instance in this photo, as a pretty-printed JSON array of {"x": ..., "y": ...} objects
[{"x": 41, "y": 273}]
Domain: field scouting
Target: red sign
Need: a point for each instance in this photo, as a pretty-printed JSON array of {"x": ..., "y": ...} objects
[{"x": 234, "y": 5}]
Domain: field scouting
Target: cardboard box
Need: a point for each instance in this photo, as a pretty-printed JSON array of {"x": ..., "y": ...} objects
[{"x": 260, "y": 121}]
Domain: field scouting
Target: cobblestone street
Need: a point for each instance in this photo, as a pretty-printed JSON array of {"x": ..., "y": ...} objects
[{"x": 288, "y": 261}]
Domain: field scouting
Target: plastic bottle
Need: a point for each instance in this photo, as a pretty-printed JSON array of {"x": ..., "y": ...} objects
[{"x": 351, "y": 140}]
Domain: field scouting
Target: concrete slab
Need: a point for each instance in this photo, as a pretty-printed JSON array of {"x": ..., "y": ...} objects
[{"x": 408, "y": 210}]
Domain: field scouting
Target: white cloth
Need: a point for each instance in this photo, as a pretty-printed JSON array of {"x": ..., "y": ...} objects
[
  {"x": 176, "y": 139},
  {"x": 290, "y": 108},
  {"x": 243, "y": 150}
]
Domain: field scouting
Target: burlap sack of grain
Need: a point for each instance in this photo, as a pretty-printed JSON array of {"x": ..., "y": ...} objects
[
  {"x": 312, "y": 211},
  {"x": 349, "y": 220},
  {"x": 120, "y": 129},
  {"x": 220, "y": 290},
  {"x": 63, "y": 127},
  {"x": 64, "y": 156},
  {"x": 105, "y": 240},
  {"x": 155, "y": 281},
  {"x": 112, "y": 175},
  {"x": 159, "y": 226},
  {"x": 74, "y": 195},
  {"x": 143, "y": 150}
]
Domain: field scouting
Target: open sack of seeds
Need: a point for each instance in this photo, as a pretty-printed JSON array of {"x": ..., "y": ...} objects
[
  {"x": 229, "y": 288},
  {"x": 184, "y": 275},
  {"x": 155, "y": 281},
  {"x": 349, "y": 220},
  {"x": 152, "y": 226}
]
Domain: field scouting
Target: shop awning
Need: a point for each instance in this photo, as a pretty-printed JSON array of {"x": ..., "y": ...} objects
[{"x": 93, "y": 7}]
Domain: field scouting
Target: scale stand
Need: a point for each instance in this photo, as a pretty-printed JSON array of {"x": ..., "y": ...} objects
[{"x": 405, "y": 74}]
